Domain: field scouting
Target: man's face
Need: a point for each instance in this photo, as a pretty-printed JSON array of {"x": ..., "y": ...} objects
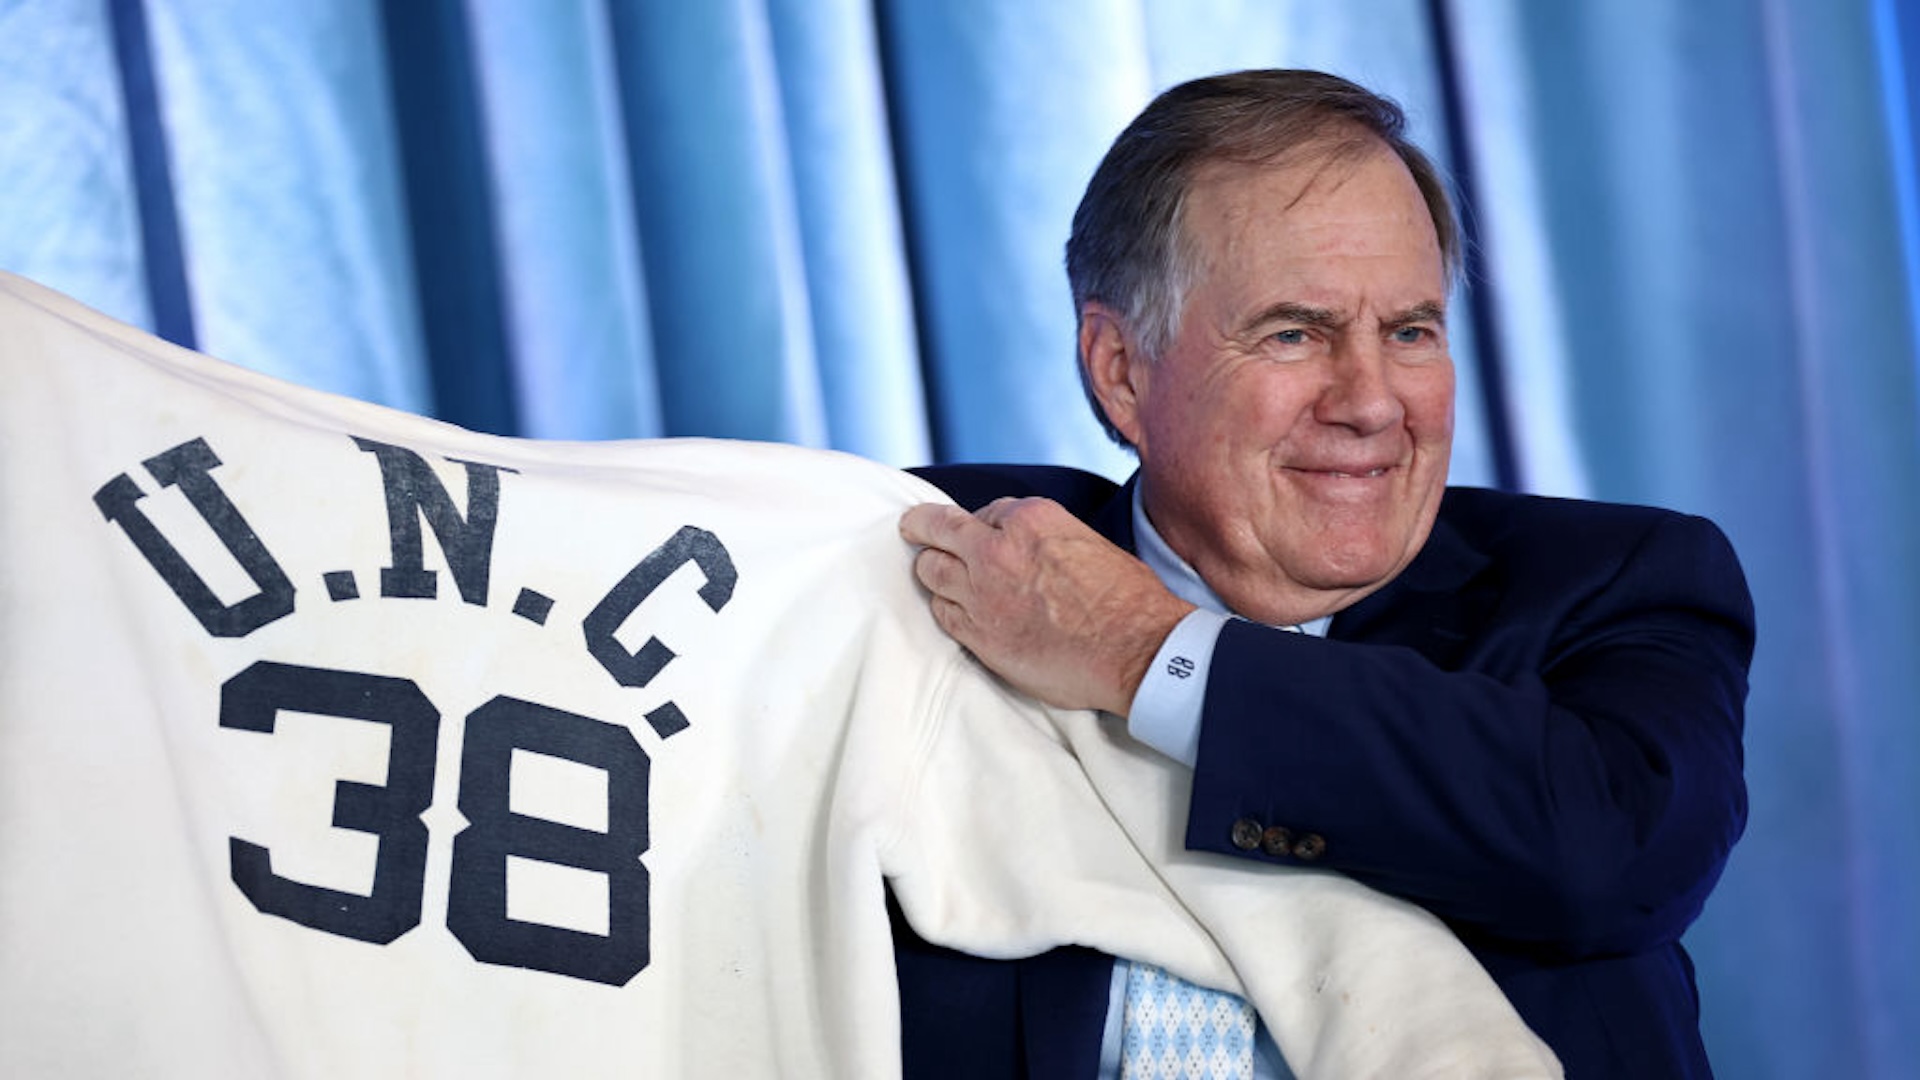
[{"x": 1294, "y": 437}]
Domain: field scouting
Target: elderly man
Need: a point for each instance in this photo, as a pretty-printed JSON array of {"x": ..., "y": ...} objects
[{"x": 1523, "y": 714}]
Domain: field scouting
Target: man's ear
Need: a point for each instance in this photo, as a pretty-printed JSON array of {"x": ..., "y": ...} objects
[{"x": 1116, "y": 369}]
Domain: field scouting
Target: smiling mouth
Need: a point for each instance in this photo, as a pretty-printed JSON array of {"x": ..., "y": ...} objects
[{"x": 1343, "y": 474}]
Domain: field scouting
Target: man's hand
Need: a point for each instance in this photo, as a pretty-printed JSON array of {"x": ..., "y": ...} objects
[{"x": 1044, "y": 601}]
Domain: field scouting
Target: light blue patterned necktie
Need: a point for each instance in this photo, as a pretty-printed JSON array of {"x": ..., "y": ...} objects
[{"x": 1174, "y": 1030}]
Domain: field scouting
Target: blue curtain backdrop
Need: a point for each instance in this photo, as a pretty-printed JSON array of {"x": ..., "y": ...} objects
[{"x": 834, "y": 222}]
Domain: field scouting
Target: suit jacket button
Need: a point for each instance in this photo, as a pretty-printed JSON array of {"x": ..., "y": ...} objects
[
  {"x": 1276, "y": 841},
  {"x": 1309, "y": 847},
  {"x": 1246, "y": 834}
]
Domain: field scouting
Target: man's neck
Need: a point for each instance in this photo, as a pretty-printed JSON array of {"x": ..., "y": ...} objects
[{"x": 1180, "y": 578}]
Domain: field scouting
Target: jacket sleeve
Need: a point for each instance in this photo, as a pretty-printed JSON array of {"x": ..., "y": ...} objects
[{"x": 1570, "y": 782}]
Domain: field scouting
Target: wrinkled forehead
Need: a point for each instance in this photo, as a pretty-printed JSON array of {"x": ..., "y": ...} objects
[
  {"x": 1354, "y": 195},
  {"x": 1315, "y": 169}
]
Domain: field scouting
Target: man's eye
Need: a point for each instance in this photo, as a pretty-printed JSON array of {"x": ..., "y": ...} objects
[
  {"x": 1410, "y": 335},
  {"x": 1290, "y": 337}
]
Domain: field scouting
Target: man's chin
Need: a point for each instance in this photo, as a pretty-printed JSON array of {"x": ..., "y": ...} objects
[{"x": 1349, "y": 570}]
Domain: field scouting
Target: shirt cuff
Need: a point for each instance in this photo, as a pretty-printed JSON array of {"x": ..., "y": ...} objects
[{"x": 1166, "y": 708}]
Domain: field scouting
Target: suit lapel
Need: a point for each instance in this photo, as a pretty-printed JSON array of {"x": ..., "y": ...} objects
[{"x": 1114, "y": 520}]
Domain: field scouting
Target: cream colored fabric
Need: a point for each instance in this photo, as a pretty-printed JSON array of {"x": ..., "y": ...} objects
[{"x": 178, "y": 898}]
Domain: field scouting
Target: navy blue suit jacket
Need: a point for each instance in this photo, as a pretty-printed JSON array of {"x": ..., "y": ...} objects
[{"x": 1534, "y": 732}]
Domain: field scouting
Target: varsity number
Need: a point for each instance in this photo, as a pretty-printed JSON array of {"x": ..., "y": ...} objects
[
  {"x": 477, "y": 899},
  {"x": 250, "y": 701},
  {"x": 477, "y": 891}
]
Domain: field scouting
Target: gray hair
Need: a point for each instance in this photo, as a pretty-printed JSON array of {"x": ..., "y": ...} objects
[{"x": 1128, "y": 250}]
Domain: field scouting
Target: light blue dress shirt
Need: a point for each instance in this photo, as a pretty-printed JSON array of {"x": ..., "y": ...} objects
[{"x": 1166, "y": 716}]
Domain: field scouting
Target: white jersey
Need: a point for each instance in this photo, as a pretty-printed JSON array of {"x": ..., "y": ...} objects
[{"x": 340, "y": 742}]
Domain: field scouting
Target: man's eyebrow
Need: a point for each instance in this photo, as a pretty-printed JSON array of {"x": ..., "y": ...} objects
[
  {"x": 1429, "y": 311},
  {"x": 1288, "y": 311},
  {"x": 1291, "y": 312}
]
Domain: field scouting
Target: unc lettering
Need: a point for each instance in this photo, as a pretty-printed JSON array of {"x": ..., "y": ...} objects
[
  {"x": 189, "y": 466},
  {"x": 413, "y": 493},
  {"x": 690, "y": 545}
]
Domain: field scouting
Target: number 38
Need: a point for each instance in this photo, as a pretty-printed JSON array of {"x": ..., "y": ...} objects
[{"x": 477, "y": 892}]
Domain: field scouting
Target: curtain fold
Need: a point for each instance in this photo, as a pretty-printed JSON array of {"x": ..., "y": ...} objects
[
  {"x": 1005, "y": 108},
  {"x": 1858, "y": 392},
  {"x": 840, "y": 223},
  {"x": 572, "y": 278},
  {"x": 65, "y": 153},
  {"x": 288, "y": 191},
  {"x": 833, "y": 94},
  {"x": 726, "y": 284}
]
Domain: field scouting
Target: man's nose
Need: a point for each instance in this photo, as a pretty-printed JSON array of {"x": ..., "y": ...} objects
[{"x": 1359, "y": 393}]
